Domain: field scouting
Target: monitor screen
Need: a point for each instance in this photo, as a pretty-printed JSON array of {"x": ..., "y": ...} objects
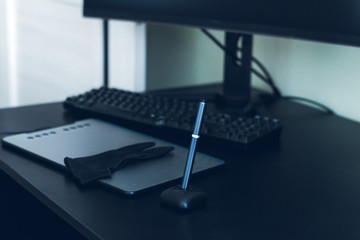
[
  {"x": 319, "y": 20},
  {"x": 332, "y": 21}
]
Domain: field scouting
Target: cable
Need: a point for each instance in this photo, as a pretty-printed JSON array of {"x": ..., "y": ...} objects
[
  {"x": 218, "y": 43},
  {"x": 267, "y": 78},
  {"x": 325, "y": 108},
  {"x": 106, "y": 53},
  {"x": 267, "y": 74}
]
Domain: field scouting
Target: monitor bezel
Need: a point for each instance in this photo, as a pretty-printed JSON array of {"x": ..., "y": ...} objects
[{"x": 228, "y": 26}]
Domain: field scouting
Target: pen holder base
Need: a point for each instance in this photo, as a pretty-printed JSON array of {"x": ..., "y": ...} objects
[{"x": 182, "y": 199}]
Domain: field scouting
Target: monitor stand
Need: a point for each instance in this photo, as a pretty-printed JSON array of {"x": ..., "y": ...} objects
[
  {"x": 235, "y": 93},
  {"x": 236, "y": 87}
]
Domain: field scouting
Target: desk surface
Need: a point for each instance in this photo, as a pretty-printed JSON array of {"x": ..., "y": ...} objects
[{"x": 308, "y": 188}]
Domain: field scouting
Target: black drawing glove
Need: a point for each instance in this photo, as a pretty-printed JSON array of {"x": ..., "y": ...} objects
[{"x": 88, "y": 169}]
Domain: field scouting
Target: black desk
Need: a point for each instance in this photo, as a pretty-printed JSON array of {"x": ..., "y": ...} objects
[{"x": 309, "y": 188}]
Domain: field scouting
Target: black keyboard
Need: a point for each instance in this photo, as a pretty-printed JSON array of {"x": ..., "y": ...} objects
[{"x": 174, "y": 117}]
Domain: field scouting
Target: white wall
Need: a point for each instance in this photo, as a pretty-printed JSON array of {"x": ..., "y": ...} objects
[
  {"x": 323, "y": 72},
  {"x": 58, "y": 52},
  {"x": 127, "y": 55},
  {"x": 326, "y": 73},
  {"x": 51, "y": 52},
  {"x": 4, "y": 99},
  {"x": 181, "y": 57}
]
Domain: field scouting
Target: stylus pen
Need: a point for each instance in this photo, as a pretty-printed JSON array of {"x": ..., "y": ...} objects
[{"x": 192, "y": 151}]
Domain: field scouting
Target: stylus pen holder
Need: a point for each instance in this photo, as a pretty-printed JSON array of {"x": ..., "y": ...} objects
[
  {"x": 179, "y": 198},
  {"x": 184, "y": 196}
]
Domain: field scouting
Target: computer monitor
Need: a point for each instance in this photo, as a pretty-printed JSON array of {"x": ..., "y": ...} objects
[{"x": 333, "y": 21}]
